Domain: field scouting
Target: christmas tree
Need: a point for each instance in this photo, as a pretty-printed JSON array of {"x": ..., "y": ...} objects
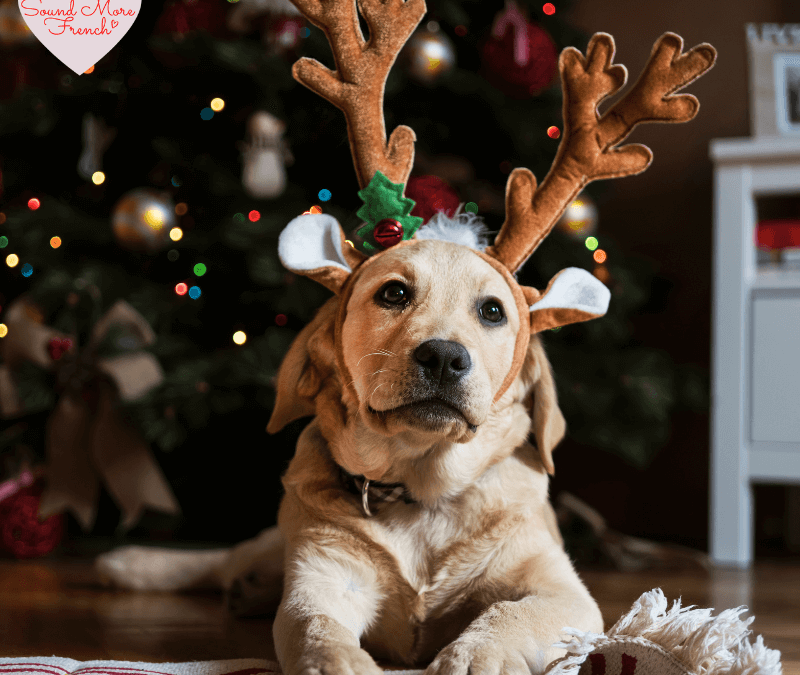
[{"x": 163, "y": 178}]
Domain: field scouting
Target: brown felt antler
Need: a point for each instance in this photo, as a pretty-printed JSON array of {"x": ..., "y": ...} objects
[
  {"x": 588, "y": 147},
  {"x": 356, "y": 86}
]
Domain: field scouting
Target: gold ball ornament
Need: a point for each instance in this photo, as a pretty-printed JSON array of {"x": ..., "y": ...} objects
[
  {"x": 429, "y": 54},
  {"x": 142, "y": 219},
  {"x": 579, "y": 220}
]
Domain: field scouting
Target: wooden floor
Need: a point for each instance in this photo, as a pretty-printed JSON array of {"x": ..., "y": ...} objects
[{"x": 50, "y": 609}]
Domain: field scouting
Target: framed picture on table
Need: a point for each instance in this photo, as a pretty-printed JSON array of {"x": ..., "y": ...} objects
[{"x": 787, "y": 92}]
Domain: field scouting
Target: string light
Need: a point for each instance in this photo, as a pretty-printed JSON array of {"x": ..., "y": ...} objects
[
  {"x": 3, "y": 242},
  {"x": 2, "y": 218},
  {"x": 176, "y": 234},
  {"x": 553, "y": 132},
  {"x": 12, "y": 259},
  {"x": 217, "y": 104},
  {"x": 238, "y": 217},
  {"x": 199, "y": 269},
  {"x": 549, "y": 8},
  {"x": 254, "y": 216},
  {"x": 206, "y": 113},
  {"x": 194, "y": 292},
  {"x": 239, "y": 337},
  {"x": 599, "y": 256},
  {"x": 324, "y": 195},
  {"x": 471, "y": 207},
  {"x": 154, "y": 217},
  {"x": 98, "y": 177},
  {"x": 3, "y": 330},
  {"x": 591, "y": 243},
  {"x": 55, "y": 242},
  {"x": 26, "y": 269},
  {"x": 316, "y": 209},
  {"x": 281, "y": 319},
  {"x": 181, "y": 288},
  {"x": 181, "y": 208},
  {"x": 34, "y": 203},
  {"x": 89, "y": 70}
]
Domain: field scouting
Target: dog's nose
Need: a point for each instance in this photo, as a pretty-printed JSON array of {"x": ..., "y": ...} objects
[{"x": 443, "y": 361}]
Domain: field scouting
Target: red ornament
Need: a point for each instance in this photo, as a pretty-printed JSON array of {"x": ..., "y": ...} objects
[
  {"x": 778, "y": 234},
  {"x": 519, "y": 58},
  {"x": 56, "y": 347},
  {"x": 22, "y": 534},
  {"x": 432, "y": 195},
  {"x": 388, "y": 232}
]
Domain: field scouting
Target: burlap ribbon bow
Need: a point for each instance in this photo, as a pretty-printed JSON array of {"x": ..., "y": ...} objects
[{"x": 87, "y": 439}]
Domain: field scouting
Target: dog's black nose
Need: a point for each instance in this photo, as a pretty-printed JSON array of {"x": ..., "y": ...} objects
[{"x": 443, "y": 361}]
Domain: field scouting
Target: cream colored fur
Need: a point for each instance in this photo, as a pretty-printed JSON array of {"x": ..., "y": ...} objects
[{"x": 472, "y": 577}]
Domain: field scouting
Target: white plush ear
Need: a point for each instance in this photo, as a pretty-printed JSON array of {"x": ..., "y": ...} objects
[
  {"x": 572, "y": 295},
  {"x": 314, "y": 246}
]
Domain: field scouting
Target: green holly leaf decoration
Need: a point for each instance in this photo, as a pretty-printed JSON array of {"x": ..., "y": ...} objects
[{"x": 384, "y": 199}]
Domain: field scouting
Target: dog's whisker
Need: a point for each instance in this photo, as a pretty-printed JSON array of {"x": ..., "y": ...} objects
[
  {"x": 371, "y": 354},
  {"x": 376, "y": 389}
]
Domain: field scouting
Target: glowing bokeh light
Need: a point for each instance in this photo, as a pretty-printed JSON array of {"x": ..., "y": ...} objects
[
  {"x": 239, "y": 337},
  {"x": 238, "y": 217},
  {"x": 553, "y": 132},
  {"x": 55, "y": 242},
  {"x": 460, "y": 30},
  {"x": 349, "y": 242},
  {"x": 591, "y": 243},
  {"x": 200, "y": 269},
  {"x": 181, "y": 208},
  {"x": 254, "y": 216},
  {"x": 173, "y": 255},
  {"x": 601, "y": 272},
  {"x": 34, "y": 203},
  {"x": 2, "y": 218},
  {"x": 3, "y": 242},
  {"x": 98, "y": 177},
  {"x": 599, "y": 256},
  {"x": 549, "y": 8},
  {"x": 176, "y": 234},
  {"x": 217, "y": 104},
  {"x": 89, "y": 70},
  {"x": 154, "y": 217},
  {"x": 206, "y": 113},
  {"x": 181, "y": 288},
  {"x": 281, "y": 319},
  {"x": 26, "y": 269},
  {"x": 471, "y": 207},
  {"x": 12, "y": 260},
  {"x": 3, "y": 330},
  {"x": 194, "y": 292},
  {"x": 324, "y": 195},
  {"x": 316, "y": 209}
]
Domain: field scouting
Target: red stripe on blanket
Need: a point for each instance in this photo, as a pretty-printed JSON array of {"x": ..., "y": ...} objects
[
  {"x": 31, "y": 668},
  {"x": 250, "y": 671},
  {"x": 598, "y": 664},
  {"x": 628, "y": 664}
]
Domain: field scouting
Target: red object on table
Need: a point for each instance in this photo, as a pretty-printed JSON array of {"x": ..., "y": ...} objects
[{"x": 778, "y": 234}]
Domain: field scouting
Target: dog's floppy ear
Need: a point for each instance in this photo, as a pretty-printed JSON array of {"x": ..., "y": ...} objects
[
  {"x": 572, "y": 295},
  {"x": 314, "y": 245},
  {"x": 548, "y": 422},
  {"x": 304, "y": 368}
]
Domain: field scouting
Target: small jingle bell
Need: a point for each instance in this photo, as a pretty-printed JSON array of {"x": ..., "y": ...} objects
[{"x": 388, "y": 232}]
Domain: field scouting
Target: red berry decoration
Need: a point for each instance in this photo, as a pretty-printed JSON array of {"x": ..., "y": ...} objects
[
  {"x": 22, "y": 534},
  {"x": 432, "y": 195},
  {"x": 388, "y": 232},
  {"x": 56, "y": 347}
]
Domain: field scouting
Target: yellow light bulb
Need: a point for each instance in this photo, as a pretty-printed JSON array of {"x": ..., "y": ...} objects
[
  {"x": 239, "y": 337},
  {"x": 3, "y": 330},
  {"x": 176, "y": 234},
  {"x": 12, "y": 259},
  {"x": 217, "y": 104},
  {"x": 98, "y": 177}
]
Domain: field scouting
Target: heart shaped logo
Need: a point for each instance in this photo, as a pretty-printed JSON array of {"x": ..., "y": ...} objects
[{"x": 79, "y": 32}]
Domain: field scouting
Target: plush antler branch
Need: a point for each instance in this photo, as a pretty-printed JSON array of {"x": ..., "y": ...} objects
[
  {"x": 356, "y": 86},
  {"x": 587, "y": 151}
]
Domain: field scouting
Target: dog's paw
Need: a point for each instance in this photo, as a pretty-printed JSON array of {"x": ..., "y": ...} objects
[
  {"x": 338, "y": 659},
  {"x": 484, "y": 656}
]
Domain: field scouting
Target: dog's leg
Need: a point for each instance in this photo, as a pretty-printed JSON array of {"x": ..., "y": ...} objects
[
  {"x": 516, "y": 637},
  {"x": 329, "y": 600},
  {"x": 145, "y": 568}
]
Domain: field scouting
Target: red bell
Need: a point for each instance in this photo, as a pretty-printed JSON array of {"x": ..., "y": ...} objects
[{"x": 388, "y": 232}]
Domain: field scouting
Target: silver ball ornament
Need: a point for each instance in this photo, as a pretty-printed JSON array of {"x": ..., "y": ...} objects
[
  {"x": 429, "y": 54},
  {"x": 579, "y": 220},
  {"x": 142, "y": 219}
]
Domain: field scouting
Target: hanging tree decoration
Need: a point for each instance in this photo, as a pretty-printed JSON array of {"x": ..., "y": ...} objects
[
  {"x": 142, "y": 220},
  {"x": 96, "y": 139},
  {"x": 429, "y": 54},
  {"x": 519, "y": 58},
  {"x": 265, "y": 155}
]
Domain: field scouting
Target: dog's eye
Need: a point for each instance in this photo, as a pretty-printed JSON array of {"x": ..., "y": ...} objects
[
  {"x": 491, "y": 311},
  {"x": 394, "y": 293}
]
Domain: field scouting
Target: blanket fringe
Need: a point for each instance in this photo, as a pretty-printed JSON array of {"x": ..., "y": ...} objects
[{"x": 704, "y": 644}]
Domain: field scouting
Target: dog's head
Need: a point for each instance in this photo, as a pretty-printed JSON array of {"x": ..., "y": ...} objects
[{"x": 427, "y": 341}]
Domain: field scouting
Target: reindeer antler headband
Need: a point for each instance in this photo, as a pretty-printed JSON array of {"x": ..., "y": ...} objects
[{"x": 314, "y": 245}]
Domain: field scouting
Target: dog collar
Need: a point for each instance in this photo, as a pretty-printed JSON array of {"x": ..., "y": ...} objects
[{"x": 374, "y": 490}]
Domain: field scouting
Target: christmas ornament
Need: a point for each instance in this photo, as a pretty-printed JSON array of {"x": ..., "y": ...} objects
[
  {"x": 432, "y": 195},
  {"x": 87, "y": 440},
  {"x": 388, "y": 232},
  {"x": 22, "y": 533},
  {"x": 428, "y": 55},
  {"x": 776, "y": 235},
  {"x": 13, "y": 29},
  {"x": 185, "y": 16},
  {"x": 384, "y": 200},
  {"x": 142, "y": 219},
  {"x": 519, "y": 58},
  {"x": 579, "y": 219},
  {"x": 96, "y": 139},
  {"x": 246, "y": 13},
  {"x": 265, "y": 156},
  {"x": 283, "y": 34}
]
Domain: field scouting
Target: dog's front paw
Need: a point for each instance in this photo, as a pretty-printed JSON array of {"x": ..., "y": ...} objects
[
  {"x": 338, "y": 659},
  {"x": 484, "y": 655}
]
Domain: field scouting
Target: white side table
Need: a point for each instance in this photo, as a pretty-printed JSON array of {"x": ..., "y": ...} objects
[{"x": 755, "y": 426}]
